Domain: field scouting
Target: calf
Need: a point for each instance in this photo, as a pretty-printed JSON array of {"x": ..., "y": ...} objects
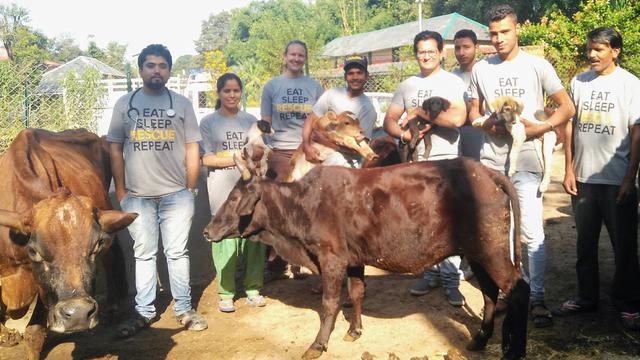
[
  {"x": 339, "y": 132},
  {"x": 401, "y": 218},
  {"x": 432, "y": 106},
  {"x": 508, "y": 111}
]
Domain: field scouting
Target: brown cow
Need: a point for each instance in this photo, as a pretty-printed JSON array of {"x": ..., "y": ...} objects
[
  {"x": 401, "y": 218},
  {"x": 55, "y": 219},
  {"x": 339, "y": 132}
]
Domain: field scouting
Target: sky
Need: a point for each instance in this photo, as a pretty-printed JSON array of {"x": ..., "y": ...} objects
[{"x": 136, "y": 23}]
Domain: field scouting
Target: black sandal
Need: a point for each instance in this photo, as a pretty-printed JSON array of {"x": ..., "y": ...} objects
[
  {"x": 132, "y": 326},
  {"x": 540, "y": 315}
]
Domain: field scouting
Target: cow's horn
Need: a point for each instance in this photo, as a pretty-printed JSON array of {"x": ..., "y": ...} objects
[{"x": 242, "y": 167}]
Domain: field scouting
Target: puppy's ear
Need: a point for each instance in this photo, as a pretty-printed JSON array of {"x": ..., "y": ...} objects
[{"x": 520, "y": 106}]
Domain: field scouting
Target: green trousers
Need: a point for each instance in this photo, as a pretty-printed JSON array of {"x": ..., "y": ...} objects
[{"x": 225, "y": 256}]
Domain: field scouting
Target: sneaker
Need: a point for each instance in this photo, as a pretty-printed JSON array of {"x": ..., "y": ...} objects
[
  {"x": 191, "y": 320},
  {"x": 226, "y": 306},
  {"x": 574, "y": 307},
  {"x": 630, "y": 321},
  {"x": 454, "y": 296},
  {"x": 256, "y": 301},
  {"x": 422, "y": 286}
]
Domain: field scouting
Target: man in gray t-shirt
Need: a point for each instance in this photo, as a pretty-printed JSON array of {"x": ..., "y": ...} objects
[
  {"x": 602, "y": 154},
  {"x": 351, "y": 98},
  {"x": 512, "y": 72},
  {"x": 153, "y": 139},
  {"x": 432, "y": 81}
]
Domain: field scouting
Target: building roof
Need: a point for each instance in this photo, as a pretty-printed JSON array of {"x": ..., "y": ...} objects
[
  {"x": 402, "y": 35},
  {"x": 52, "y": 78}
]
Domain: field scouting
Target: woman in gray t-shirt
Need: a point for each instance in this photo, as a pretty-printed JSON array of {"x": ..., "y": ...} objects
[
  {"x": 286, "y": 100},
  {"x": 223, "y": 135}
]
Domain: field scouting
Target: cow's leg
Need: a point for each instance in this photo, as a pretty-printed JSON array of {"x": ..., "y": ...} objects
[
  {"x": 35, "y": 334},
  {"x": 514, "y": 328},
  {"x": 490, "y": 294},
  {"x": 356, "y": 293},
  {"x": 332, "y": 273}
]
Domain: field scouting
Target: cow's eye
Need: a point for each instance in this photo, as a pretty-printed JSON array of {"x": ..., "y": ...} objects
[
  {"x": 34, "y": 255},
  {"x": 99, "y": 244}
]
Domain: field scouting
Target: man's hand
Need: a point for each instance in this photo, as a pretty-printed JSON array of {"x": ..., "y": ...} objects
[
  {"x": 310, "y": 153},
  {"x": 569, "y": 183},
  {"x": 626, "y": 189},
  {"x": 120, "y": 194},
  {"x": 495, "y": 127}
]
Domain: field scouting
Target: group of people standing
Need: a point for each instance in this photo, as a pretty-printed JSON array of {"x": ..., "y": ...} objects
[{"x": 157, "y": 150}]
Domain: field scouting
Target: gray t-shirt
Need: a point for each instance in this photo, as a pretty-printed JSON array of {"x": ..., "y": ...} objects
[
  {"x": 288, "y": 101},
  {"x": 223, "y": 136},
  {"x": 414, "y": 90},
  {"x": 471, "y": 138},
  {"x": 154, "y": 143},
  {"x": 338, "y": 100},
  {"x": 527, "y": 78},
  {"x": 606, "y": 106}
]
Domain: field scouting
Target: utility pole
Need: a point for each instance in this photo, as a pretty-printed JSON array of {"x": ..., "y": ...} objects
[{"x": 419, "y": 15}]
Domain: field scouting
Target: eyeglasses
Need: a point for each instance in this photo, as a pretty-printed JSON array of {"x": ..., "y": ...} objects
[{"x": 425, "y": 53}]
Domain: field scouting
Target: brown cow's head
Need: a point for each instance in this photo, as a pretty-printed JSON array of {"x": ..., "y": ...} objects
[
  {"x": 62, "y": 235},
  {"x": 344, "y": 130},
  {"x": 235, "y": 217}
]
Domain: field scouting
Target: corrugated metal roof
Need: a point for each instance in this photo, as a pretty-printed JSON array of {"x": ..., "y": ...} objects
[
  {"x": 402, "y": 35},
  {"x": 51, "y": 79}
]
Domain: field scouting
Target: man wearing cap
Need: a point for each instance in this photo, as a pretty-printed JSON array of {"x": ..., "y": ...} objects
[{"x": 349, "y": 98}]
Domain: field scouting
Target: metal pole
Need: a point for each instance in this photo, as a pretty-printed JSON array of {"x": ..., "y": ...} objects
[
  {"x": 26, "y": 105},
  {"x": 127, "y": 68},
  {"x": 420, "y": 15}
]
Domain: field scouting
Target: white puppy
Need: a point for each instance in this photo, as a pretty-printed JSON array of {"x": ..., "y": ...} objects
[{"x": 508, "y": 110}]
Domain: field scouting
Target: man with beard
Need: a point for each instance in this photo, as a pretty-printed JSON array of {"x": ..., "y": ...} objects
[
  {"x": 153, "y": 140},
  {"x": 351, "y": 98}
]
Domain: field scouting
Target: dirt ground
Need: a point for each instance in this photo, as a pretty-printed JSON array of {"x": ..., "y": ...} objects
[{"x": 394, "y": 321}]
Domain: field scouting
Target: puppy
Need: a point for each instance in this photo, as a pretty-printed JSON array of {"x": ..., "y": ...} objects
[
  {"x": 508, "y": 111},
  {"x": 433, "y": 106}
]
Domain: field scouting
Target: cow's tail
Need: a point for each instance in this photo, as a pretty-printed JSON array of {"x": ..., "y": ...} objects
[{"x": 510, "y": 190}]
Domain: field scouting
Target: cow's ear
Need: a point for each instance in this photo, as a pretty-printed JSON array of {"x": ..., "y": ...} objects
[
  {"x": 19, "y": 223},
  {"x": 331, "y": 115},
  {"x": 247, "y": 203},
  {"x": 112, "y": 221}
]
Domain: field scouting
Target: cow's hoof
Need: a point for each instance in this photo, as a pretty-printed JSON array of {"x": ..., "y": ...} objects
[
  {"x": 477, "y": 344},
  {"x": 352, "y": 335},
  {"x": 314, "y": 352},
  {"x": 513, "y": 355}
]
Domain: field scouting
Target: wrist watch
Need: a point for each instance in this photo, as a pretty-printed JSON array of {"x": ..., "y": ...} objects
[{"x": 194, "y": 191}]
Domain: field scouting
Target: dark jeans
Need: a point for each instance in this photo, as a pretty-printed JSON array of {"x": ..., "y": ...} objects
[{"x": 594, "y": 204}]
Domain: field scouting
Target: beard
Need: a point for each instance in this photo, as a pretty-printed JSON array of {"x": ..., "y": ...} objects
[{"x": 155, "y": 83}]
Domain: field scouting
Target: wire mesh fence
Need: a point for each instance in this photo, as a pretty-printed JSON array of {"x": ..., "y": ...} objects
[{"x": 27, "y": 100}]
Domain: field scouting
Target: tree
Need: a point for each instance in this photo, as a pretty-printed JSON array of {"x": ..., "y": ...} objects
[
  {"x": 564, "y": 37},
  {"x": 30, "y": 47},
  {"x": 214, "y": 33},
  {"x": 13, "y": 20},
  {"x": 114, "y": 55},
  {"x": 94, "y": 51},
  {"x": 185, "y": 64},
  {"x": 64, "y": 49}
]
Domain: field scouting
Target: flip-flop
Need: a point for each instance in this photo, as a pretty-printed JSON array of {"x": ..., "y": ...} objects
[{"x": 574, "y": 307}]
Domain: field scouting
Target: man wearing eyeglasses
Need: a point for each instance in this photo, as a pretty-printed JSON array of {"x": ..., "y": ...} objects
[{"x": 432, "y": 81}]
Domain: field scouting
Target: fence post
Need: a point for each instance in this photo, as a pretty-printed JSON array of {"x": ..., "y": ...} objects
[
  {"x": 25, "y": 103},
  {"x": 127, "y": 67}
]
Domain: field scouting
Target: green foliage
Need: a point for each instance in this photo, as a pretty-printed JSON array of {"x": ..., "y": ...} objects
[
  {"x": 114, "y": 55},
  {"x": 183, "y": 65},
  {"x": 564, "y": 37},
  {"x": 214, "y": 33}
]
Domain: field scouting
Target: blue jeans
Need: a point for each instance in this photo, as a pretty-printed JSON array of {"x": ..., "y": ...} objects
[
  {"x": 532, "y": 227},
  {"x": 171, "y": 216},
  {"x": 448, "y": 270}
]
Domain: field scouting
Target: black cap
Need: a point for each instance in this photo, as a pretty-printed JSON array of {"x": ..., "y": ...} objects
[{"x": 355, "y": 60}]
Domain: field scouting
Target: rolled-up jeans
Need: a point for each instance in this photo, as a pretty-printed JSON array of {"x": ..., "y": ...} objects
[
  {"x": 532, "y": 226},
  {"x": 171, "y": 216}
]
